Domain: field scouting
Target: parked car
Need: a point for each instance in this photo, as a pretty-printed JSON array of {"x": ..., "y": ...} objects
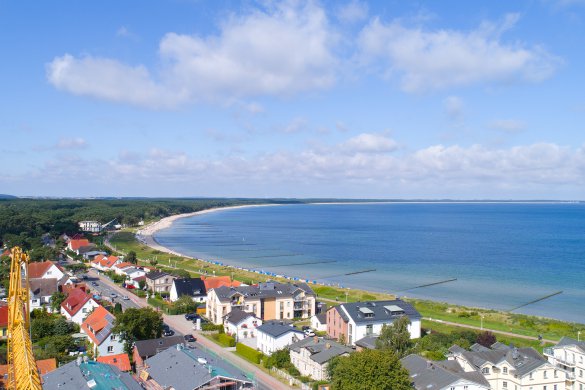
[
  {"x": 168, "y": 332},
  {"x": 305, "y": 328},
  {"x": 94, "y": 284},
  {"x": 125, "y": 297},
  {"x": 191, "y": 316},
  {"x": 189, "y": 338},
  {"x": 113, "y": 295},
  {"x": 309, "y": 333}
]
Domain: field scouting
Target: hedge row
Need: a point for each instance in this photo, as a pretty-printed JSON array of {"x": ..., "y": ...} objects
[
  {"x": 249, "y": 353},
  {"x": 225, "y": 340}
]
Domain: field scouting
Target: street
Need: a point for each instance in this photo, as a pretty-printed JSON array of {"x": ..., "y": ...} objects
[{"x": 105, "y": 290}]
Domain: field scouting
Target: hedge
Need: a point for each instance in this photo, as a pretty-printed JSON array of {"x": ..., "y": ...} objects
[
  {"x": 249, "y": 353},
  {"x": 225, "y": 340}
]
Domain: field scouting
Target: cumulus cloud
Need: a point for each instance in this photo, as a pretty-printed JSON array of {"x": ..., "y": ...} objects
[
  {"x": 71, "y": 143},
  {"x": 280, "y": 51},
  {"x": 352, "y": 12},
  {"x": 508, "y": 125},
  {"x": 429, "y": 60},
  {"x": 369, "y": 143}
]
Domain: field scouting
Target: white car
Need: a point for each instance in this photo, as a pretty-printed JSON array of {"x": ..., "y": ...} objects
[{"x": 309, "y": 333}]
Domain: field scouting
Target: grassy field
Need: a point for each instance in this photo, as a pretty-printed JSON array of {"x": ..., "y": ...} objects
[{"x": 495, "y": 320}]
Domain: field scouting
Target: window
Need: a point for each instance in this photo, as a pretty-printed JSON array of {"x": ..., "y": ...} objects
[
  {"x": 555, "y": 387},
  {"x": 505, "y": 370},
  {"x": 543, "y": 387},
  {"x": 465, "y": 387},
  {"x": 485, "y": 370},
  {"x": 556, "y": 373},
  {"x": 544, "y": 374},
  {"x": 113, "y": 337},
  {"x": 530, "y": 377},
  {"x": 110, "y": 348},
  {"x": 580, "y": 373},
  {"x": 505, "y": 384},
  {"x": 369, "y": 329}
]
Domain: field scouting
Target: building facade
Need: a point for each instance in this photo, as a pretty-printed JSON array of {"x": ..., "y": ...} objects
[
  {"x": 312, "y": 355},
  {"x": 274, "y": 336},
  {"x": 157, "y": 281},
  {"x": 568, "y": 356}
]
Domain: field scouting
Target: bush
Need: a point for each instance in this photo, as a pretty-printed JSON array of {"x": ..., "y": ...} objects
[
  {"x": 278, "y": 359},
  {"x": 249, "y": 353},
  {"x": 211, "y": 327},
  {"x": 225, "y": 340},
  {"x": 138, "y": 293}
]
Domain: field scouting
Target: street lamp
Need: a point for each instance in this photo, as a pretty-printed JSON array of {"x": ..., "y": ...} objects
[
  {"x": 578, "y": 336},
  {"x": 481, "y": 322}
]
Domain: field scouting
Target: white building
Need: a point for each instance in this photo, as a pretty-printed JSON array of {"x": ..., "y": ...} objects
[
  {"x": 319, "y": 322},
  {"x": 312, "y": 355},
  {"x": 41, "y": 292},
  {"x": 241, "y": 325},
  {"x": 77, "y": 306},
  {"x": 98, "y": 327},
  {"x": 46, "y": 270},
  {"x": 90, "y": 226},
  {"x": 273, "y": 336},
  {"x": 191, "y": 287},
  {"x": 568, "y": 356}
]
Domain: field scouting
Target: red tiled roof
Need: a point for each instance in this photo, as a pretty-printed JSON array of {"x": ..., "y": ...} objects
[
  {"x": 104, "y": 261},
  {"x": 75, "y": 301},
  {"x": 95, "y": 322},
  {"x": 219, "y": 281},
  {"x": 43, "y": 366},
  {"x": 123, "y": 265},
  {"x": 121, "y": 361},
  {"x": 3, "y": 316},
  {"x": 38, "y": 269},
  {"x": 76, "y": 244},
  {"x": 66, "y": 288}
]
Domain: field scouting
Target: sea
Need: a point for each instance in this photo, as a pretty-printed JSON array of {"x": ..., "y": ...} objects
[{"x": 504, "y": 256}]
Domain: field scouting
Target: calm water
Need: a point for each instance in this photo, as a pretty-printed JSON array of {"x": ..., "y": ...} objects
[{"x": 503, "y": 255}]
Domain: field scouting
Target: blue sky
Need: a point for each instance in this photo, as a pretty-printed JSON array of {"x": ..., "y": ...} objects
[{"x": 352, "y": 99}]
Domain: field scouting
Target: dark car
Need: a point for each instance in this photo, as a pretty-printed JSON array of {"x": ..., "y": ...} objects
[
  {"x": 191, "y": 316},
  {"x": 94, "y": 284},
  {"x": 306, "y": 327},
  {"x": 168, "y": 332},
  {"x": 189, "y": 338}
]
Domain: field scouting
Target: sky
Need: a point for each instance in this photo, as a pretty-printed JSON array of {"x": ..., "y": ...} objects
[{"x": 343, "y": 99}]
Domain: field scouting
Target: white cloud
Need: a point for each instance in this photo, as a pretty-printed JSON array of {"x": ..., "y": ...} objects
[
  {"x": 427, "y": 60},
  {"x": 454, "y": 107},
  {"x": 71, "y": 143},
  {"x": 352, "y": 12},
  {"x": 282, "y": 51},
  {"x": 370, "y": 143},
  {"x": 508, "y": 125}
]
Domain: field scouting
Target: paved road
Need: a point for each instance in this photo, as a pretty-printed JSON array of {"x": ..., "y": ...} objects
[{"x": 106, "y": 291}]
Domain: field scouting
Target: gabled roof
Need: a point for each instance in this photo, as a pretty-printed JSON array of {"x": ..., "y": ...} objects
[
  {"x": 98, "y": 325},
  {"x": 277, "y": 329},
  {"x": 76, "y": 244},
  {"x": 123, "y": 265},
  {"x": 218, "y": 281},
  {"x": 43, "y": 287},
  {"x": 368, "y": 342},
  {"x": 264, "y": 290},
  {"x": 237, "y": 316},
  {"x": 430, "y": 375},
  {"x": 193, "y": 287},
  {"x": 321, "y": 350},
  {"x": 154, "y": 275},
  {"x": 522, "y": 360},
  {"x": 38, "y": 269},
  {"x": 96, "y": 375},
  {"x": 76, "y": 299},
  {"x": 105, "y": 261},
  {"x": 378, "y": 311},
  {"x": 569, "y": 342},
  {"x": 321, "y": 317},
  {"x": 121, "y": 361},
  {"x": 148, "y": 348}
]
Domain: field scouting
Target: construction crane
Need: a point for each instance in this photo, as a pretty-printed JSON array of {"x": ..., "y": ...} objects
[{"x": 22, "y": 368}]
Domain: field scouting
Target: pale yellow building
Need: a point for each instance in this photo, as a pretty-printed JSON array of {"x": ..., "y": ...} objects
[{"x": 568, "y": 356}]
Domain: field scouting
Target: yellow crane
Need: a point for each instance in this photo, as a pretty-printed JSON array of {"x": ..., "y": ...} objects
[{"x": 22, "y": 368}]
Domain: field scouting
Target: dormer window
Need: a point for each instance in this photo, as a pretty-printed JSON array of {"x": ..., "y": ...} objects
[
  {"x": 505, "y": 370},
  {"x": 485, "y": 370}
]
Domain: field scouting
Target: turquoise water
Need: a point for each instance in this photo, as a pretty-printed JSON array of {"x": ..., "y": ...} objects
[{"x": 502, "y": 255}]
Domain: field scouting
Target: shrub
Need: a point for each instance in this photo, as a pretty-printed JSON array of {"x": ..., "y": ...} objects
[
  {"x": 225, "y": 340},
  {"x": 278, "y": 359},
  {"x": 249, "y": 353},
  {"x": 211, "y": 327}
]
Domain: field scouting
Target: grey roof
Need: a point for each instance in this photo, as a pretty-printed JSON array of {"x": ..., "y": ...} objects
[
  {"x": 277, "y": 329},
  {"x": 567, "y": 341},
  {"x": 321, "y": 350},
  {"x": 43, "y": 287},
  {"x": 236, "y": 316},
  {"x": 322, "y": 317},
  {"x": 153, "y": 275},
  {"x": 368, "y": 342},
  {"x": 456, "y": 349},
  {"x": 74, "y": 376},
  {"x": 264, "y": 290},
  {"x": 148, "y": 348},
  {"x": 478, "y": 348},
  {"x": 523, "y": 360},
  {"x": 378, "y": 311},
  {"x": 187, "y": 369},
  {"x": 193, "y": 287},
  {"x": 429, "y": 375}
]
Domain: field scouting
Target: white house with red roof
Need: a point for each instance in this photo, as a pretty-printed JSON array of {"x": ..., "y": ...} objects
[
  {"x": 105, "y": 263},
  {"x": 78, "y": 245},
  {"x": 45, "y": 270},
  {"x": 78, "y": 305},
  {"x": 119, "y": 268},
  {"x": 98, "y": 327}
]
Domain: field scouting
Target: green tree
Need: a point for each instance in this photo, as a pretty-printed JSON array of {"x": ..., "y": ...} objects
[
  {"x": 131, "y": 257},
  {"x": 370, "y": 369},
  {"x": 56, "y": 299},
  {"x": 138, "y": 324},
  {"x": 117, "y": 308},
  {"x": 278, "y": 359},
  {"x": 185, "y": 305},
  {"x": 396, "y": 337},
  {"x": 153, "y": 262}
]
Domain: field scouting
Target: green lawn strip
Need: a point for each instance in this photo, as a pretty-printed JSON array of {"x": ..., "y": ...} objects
[{"x": 261, "y": 367}]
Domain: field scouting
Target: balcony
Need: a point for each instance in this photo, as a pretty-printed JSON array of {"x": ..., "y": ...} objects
[{"x": 557, "y": 360}]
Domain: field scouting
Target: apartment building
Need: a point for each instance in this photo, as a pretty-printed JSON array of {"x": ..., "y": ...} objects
[
  {"x": 157, "y": 281},
  {"x": 267, "y": 301},
  {"x": 568, "y": 356},
  {"x": 312, "y": 355}
]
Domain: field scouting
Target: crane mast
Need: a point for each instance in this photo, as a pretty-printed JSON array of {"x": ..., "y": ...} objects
[{"x": 22, "y": 368}]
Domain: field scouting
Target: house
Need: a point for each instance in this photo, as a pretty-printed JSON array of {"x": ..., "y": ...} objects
[
  {"x": 443, "y": 375},
  {"x": 78, "y": 305},
  {"x": 353, "y": 321},
  {"x": 41, "y": 291},
  {"x": 312, "y": 355},
  {"x": 119, "y": 268},
  {"x": 45, "y": 270},
  {"x": 90, "y": 226},
  {"x": 319, "y": 322},
  {"x": 3, "y": 321},
  {"x": 98, "y": 327},
  {"x": 133, "y": 272},
  {"x": 43, "y": 366},
  {"x": 143, "y": 349},
  {"x": 92, "y": 254},
  {"x": 219, "y": 281},
  {"x": 66, "y": 288},
  {"x": 267, "y": 301},
  {"x": 191, "y": 287},
  {"x": 568, "y": 356},
  {"x": 158, "y": 281},
  {"x": 185, "y": 368},
  {"x": 85, "y": 374},
  {"x": 240, "y": 324},
  {"x": 80, "y": 246},
  {"x": 273, "y": 336},
  {"x": 121, "y": 361},
  {"x": 510, "y": 368},
  {"x": 135, "y": 282},
  {"x": 105, "y": 263}
]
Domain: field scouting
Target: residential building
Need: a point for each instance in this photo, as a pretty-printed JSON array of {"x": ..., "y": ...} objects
[
  {"x": 135, "y": 282},
  {"x": 84, "y": 374},
  {"x": 219, "y": 281},
  {"x": 312, "y": 355},
  {"x": 133, "y": 272},
  {"x": 568, "y": 356},
  {"x": 45, "y": 270},
  {"x": 43, "y": 366},
  {"x": 191, "y": 287},
  {"x": 143, "y": 349},
  {"x": 319, "y": 322},
  {"x": 3, "y": 321},
  {"x": 105, "y": 263},
  {"x": 240, "y": 324},
  {"x": 510, "y": 368},
  {"x": 90, "y": 226},
  {"x": 353, "y": 321},
  {"x": 121, "y": 361},
  {"x": 158, "y": 281},
  {"x": 92, "y": 254},
  {"x": 78, "y": 305},
  {"x": 185, "y": 368},
  {"x": 41, "y": 291},
  {"x": 273, "y": 336},
  {"x": 80, "y": 246},
  {"x": 119, "y": 267},
  {"x": 98, "y": 327},
  {"x": 443, "y": 375},
  {"x": 267, "y": 301}
]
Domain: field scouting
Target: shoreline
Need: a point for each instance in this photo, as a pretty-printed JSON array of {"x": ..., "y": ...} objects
[{"x": 146, "y": 234}]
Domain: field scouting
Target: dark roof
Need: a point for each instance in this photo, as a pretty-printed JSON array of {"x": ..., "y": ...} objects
[
  {"x": 237, "y": 315},
  {"x": 193, "y": 287},
  {"x": 153, "y": 275},
  {"x": 567, "y": 341},
  {"x": 183, "y": 368},
  {"x": 264, "y": 290},
  {"x": 277, "y": 329},
  {"x": 43, "y": 287},
  {"x": 430, "y": 375},
  {"x": 148, "y": 348},
  {"x": 74, "y": 376},
  {"x": 378, "y": 311},
  {"x": 368, "y": 342},
  {"x": 321, "y": 350},
  {"x": 478, "y": 348},
  {"x": 322, "y": 317}
]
